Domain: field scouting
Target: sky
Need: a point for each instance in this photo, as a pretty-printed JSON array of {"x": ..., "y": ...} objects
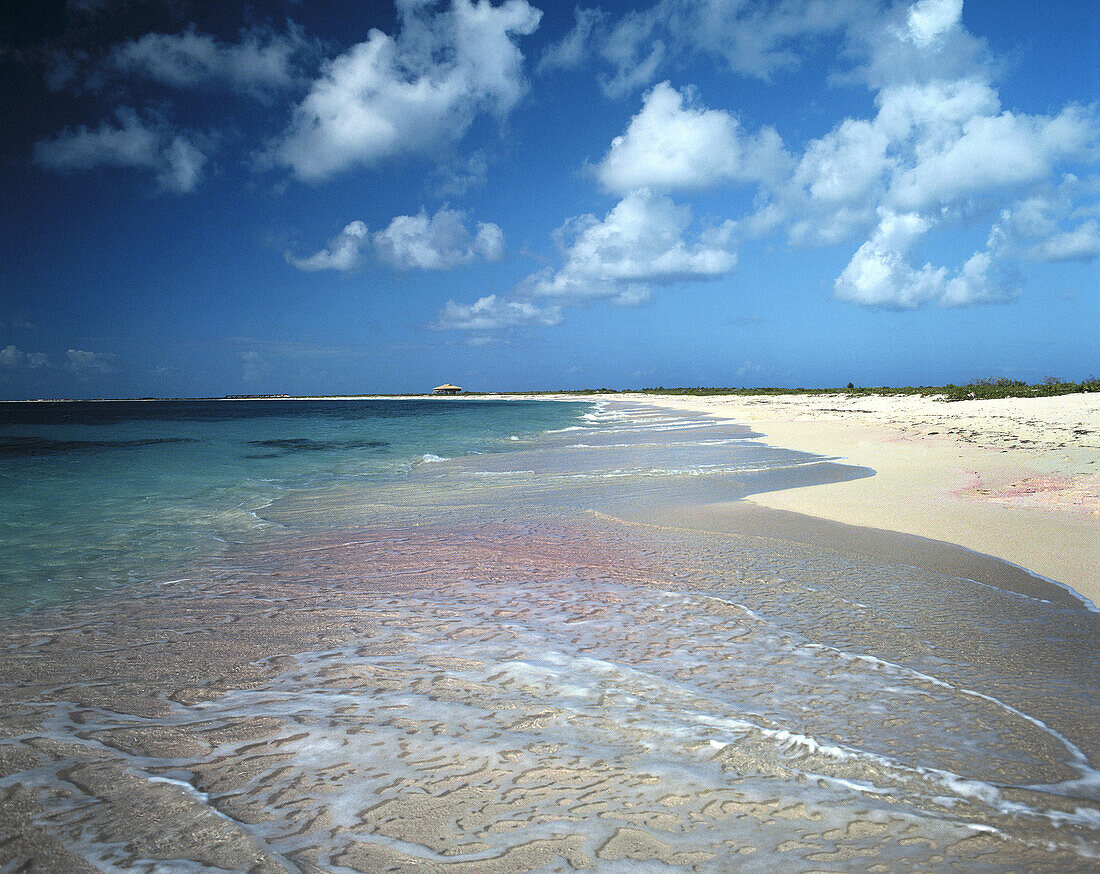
[{"x": 207, "y": 198}]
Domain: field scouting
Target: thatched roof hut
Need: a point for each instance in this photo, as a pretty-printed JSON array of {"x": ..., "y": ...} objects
[{"x": 446, "y": 389}]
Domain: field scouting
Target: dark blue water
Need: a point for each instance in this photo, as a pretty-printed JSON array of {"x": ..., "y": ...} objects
[{"x": 100, "y": 494}]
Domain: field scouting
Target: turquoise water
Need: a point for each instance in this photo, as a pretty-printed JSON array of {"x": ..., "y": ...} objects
[{"x": 101, "y": 494}]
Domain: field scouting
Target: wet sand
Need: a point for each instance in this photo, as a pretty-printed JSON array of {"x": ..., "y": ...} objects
[
  {"x": 504, "y": 672},
  {"x": 1017, "y": 478},
  {"x": 382, "y": 707}
]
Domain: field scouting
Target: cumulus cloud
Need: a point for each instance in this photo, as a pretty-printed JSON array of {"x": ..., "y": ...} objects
[
  {"x": 411, "y": 94},
  {"x": 437, "y": 242},
  {"x": 836, "y": 183},
  {"x": 880, "y": 273},
  {"x": 175, "y": 160},
  {"x": 89, "y": 363},
  {"x": 15, "y": 359},
  {"x": 261, "y": 62},
  {"x": 641, "y": 240},
  {"x": 927, "y": 19},
  {"x": 993, "y": 152},
  {"x": 939, "y": 150},
  {"x": 671, "y": 144},
  {"x": 940, "y": 147},
  {"x": 921, "y": 42},
  {"x": 492, "y": 313},
  {"x": 1048, "y": 226},
  {"x": 937, "y": 144},
  {"x": 1079, "y": 244},
  {"x": 342, "y": 253}
]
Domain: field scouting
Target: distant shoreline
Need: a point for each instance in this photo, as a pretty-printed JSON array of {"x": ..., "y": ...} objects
[{"x": 979, "y": 390}]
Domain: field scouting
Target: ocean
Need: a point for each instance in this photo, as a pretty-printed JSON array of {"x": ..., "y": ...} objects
[
  {"x": 100, "y": 494},
  {"x": 472, "y": 635}
]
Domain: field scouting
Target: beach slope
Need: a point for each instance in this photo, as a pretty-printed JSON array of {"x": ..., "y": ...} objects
[{"x": 1016, "y": 478}]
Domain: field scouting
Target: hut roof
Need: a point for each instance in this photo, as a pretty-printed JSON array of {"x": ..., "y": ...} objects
[{"x": 447, "y": 387}]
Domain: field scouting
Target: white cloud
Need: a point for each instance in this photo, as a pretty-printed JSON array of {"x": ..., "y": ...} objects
[
  {"x": 939, "y": 146},
  {"x": 1080, "y": 244},
  {"x": 176, "y": 161},
  {"x": 437, "y": 242},
  {"x": 182, "y": 166},
  {"x": 928, "y": 19},
  {"x": 914, "y": 155},
  {"x": 670, "y": 145},
  {"x": 994, "y": 152},
  {"x": 493, "y": 313},
  {"x": 845, "y": 165},
  {"x": 489, "y": 242},
  {"x": 572, "y": 49},
  {"x": 342, "y": 253},
  {"x": 836, "y": 183},
  {"x": 86, "y": 363},
  {"x": 753, "y": 39},
  {"x": 1031, "y": 217},
  {"x": 641, "y": 240},
  {"x": 261, "y": 62},
  {"x": 923, "y": 42},
  {"x": 880, "y": 273},
  {"x": 632, "y": 50},
  {"x": 933, "y": 113},
  {"x": 15, "y": 359},
  {"x": 410, "y": 94},
  {"x": 1038, "y": 228}
]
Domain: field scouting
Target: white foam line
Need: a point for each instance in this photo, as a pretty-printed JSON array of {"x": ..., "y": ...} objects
[
  {"x": 960, "y": 787},
  {"x": 856, "y": 785},
  {"x": 1090, "y": 776},
  {"x": 1088, "y": 604},
  {"x": 698, "y": 470},
  {"x": 191, "y": 790}
]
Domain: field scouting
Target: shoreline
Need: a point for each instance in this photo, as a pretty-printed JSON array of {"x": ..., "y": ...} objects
[
  {"x": 1017, "y": 478},
  {"x": 473, "y": 666}
]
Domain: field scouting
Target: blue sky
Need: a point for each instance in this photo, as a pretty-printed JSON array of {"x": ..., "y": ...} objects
[{"x": 206, "y": 198}]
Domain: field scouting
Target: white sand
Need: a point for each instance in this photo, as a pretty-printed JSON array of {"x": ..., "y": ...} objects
[{"x": 1017, "y": 478}]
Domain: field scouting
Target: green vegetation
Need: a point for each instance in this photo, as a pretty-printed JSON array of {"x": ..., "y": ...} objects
[
  {"x": 999, "y": 387},
  {"x": 977, "y": 389}
]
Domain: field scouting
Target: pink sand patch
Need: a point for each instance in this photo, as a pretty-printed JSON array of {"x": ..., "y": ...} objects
[{"x": 1079, "y": 495}]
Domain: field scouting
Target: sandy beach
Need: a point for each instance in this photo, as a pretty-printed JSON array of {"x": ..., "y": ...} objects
[{"x": 1016, "y": 478}]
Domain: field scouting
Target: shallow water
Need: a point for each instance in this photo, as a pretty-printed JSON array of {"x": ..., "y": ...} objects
[
  {"x": 103, "y": 494},
  {"x": 477, "y": 667}
]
